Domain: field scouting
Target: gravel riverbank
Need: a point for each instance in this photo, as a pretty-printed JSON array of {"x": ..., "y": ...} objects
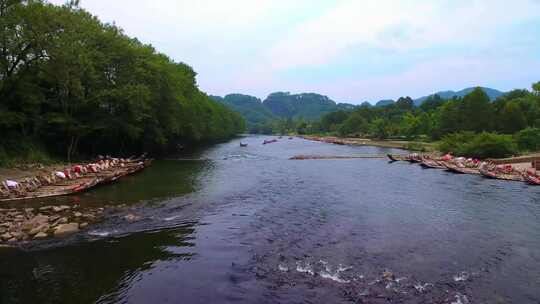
[{"x": 19, "y": 226}]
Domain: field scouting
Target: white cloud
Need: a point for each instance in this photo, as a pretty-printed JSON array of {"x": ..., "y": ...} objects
[
  {"x": 397, "y": 26},
  {"x": 453, "y": 73},
  {"x": 249, "y": 46}
]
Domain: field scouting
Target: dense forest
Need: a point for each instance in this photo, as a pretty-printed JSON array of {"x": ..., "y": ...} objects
[
  {"x": 469, "y": 125},
  {"x": 71, "y": 85},
  {"x": 281, "y": 111}
]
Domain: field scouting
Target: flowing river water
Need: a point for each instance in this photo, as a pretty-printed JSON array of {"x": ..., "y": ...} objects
[{"x": 247, "y": 225}]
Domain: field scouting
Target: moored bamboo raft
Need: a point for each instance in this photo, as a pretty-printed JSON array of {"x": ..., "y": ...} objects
[
  {"x": 532, "y": 178},
  {"x": 82, "y": 182},
  {"x": 431, "y": 164},
  {"x": 452, "y": 167},
  {"x": 496, "y": 174},
  {"x": 396, "y": 157},
  {"x": 414, "y": 158},
  {"x": 485, "y": 168}
]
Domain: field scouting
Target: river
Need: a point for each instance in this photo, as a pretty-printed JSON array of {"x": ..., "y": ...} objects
[{"x": 247, "y": 225}]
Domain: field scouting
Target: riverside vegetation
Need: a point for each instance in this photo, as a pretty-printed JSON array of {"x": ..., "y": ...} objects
[
  {"x": 471, "y": 125},
  {"x": 72, "y": 86}
]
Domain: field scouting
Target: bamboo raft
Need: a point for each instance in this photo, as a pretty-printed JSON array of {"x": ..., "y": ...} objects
[
  {"x": 431, "y": 164},
  {"x": 532, "y": 179},
  {"x": 397, "y": 157},
  {"x": 460, "y": 170},
  {"x": 487, "y": 169},
  {"x": 80, "y": 184},
  {"x": 509, "y": 176}
]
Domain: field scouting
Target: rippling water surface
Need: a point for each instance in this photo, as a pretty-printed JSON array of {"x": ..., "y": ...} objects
[{"x": 248, "y": 225}]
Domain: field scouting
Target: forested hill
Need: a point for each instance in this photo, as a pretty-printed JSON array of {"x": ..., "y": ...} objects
[
  {"x": 261, "y": 115},
  {"x": 306, "y": 105},
  {"x": 491, "y": 93},
  {"x": 70, "y": 84},
  {"x": 446, "y": 95},
  {"x": 310, "y": 106},
  {"x": 250, "y": 107}
]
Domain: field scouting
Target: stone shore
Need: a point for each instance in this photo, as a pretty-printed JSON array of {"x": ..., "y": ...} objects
[{"x": 23, "y": 225}]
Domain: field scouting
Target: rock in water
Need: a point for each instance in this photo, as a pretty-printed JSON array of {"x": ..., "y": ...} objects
[
  {"x": 132, "y": 217},
  {"x": 6, "y": 236},
  {"x": 389, "y": 276},
  {"x": 40, "y": 235},
  {"x": 42, "y": 228},
  {"x": 64, "y": 229}
]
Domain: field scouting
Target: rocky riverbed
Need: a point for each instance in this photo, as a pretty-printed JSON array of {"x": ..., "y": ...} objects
[{"x": 24, "y": 225}]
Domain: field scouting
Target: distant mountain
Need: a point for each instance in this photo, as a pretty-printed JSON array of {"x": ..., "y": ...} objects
[
  {"x": 492, "y": 94},
  {"x": 346, "y": 106},
  {"x": 366, "y": 104},
  {"x": 384, "y": 102},
  {"x": 310, "y": 106},
  {"x": 250, "y": 107}
]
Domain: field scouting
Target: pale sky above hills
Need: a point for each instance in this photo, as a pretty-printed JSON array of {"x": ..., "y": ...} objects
[{"x": 350, "y": 50}]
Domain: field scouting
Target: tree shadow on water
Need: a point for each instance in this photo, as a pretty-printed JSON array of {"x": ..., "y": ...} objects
[{"x": 83, "y": 273}]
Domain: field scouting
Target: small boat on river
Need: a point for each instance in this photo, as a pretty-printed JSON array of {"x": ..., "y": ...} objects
[
  {"x": 266, "y": 142},
  {"x": 243, "y": 145}
]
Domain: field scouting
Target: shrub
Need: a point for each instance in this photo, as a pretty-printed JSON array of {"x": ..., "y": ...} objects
[
  {"x": 453, "y": 142},
  {"x": 489, "y": 145},
  {"x": 529, "y": 139},
  {"x": 483, "y": 145},
  {"x": 415, "y": 146}
]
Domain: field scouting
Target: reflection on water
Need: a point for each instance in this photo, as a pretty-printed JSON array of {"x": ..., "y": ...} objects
[
  {"x": 248, "y": 225},
  {"x": 84, "y": 272},
  {"x": 165, "y": 179}
]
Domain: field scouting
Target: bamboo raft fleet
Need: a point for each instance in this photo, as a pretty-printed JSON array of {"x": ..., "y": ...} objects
[
  {"x": 71, "y": 180},
  {"x": 461, "y": 165}
]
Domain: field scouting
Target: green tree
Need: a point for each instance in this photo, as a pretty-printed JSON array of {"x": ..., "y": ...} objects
[
  {"x": 477, "y": 113},
  {"x": 380, "y": 128},
  {"x": 536, "y": 88},
  {"x": 511, "y": 118},
  {"x": 529, "y": 139},
  {"x": 449, "y": 118},
  {"x": 411, "y": 125},
  {"x": 354, "y": 124},
  {"x": 78, "y": 86}
]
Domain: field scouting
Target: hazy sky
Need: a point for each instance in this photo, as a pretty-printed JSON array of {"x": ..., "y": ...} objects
[{"x": 350, "y": 50}]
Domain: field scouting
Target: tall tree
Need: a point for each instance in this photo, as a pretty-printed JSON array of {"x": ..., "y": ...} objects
[{"x": 477, "y": 113}]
